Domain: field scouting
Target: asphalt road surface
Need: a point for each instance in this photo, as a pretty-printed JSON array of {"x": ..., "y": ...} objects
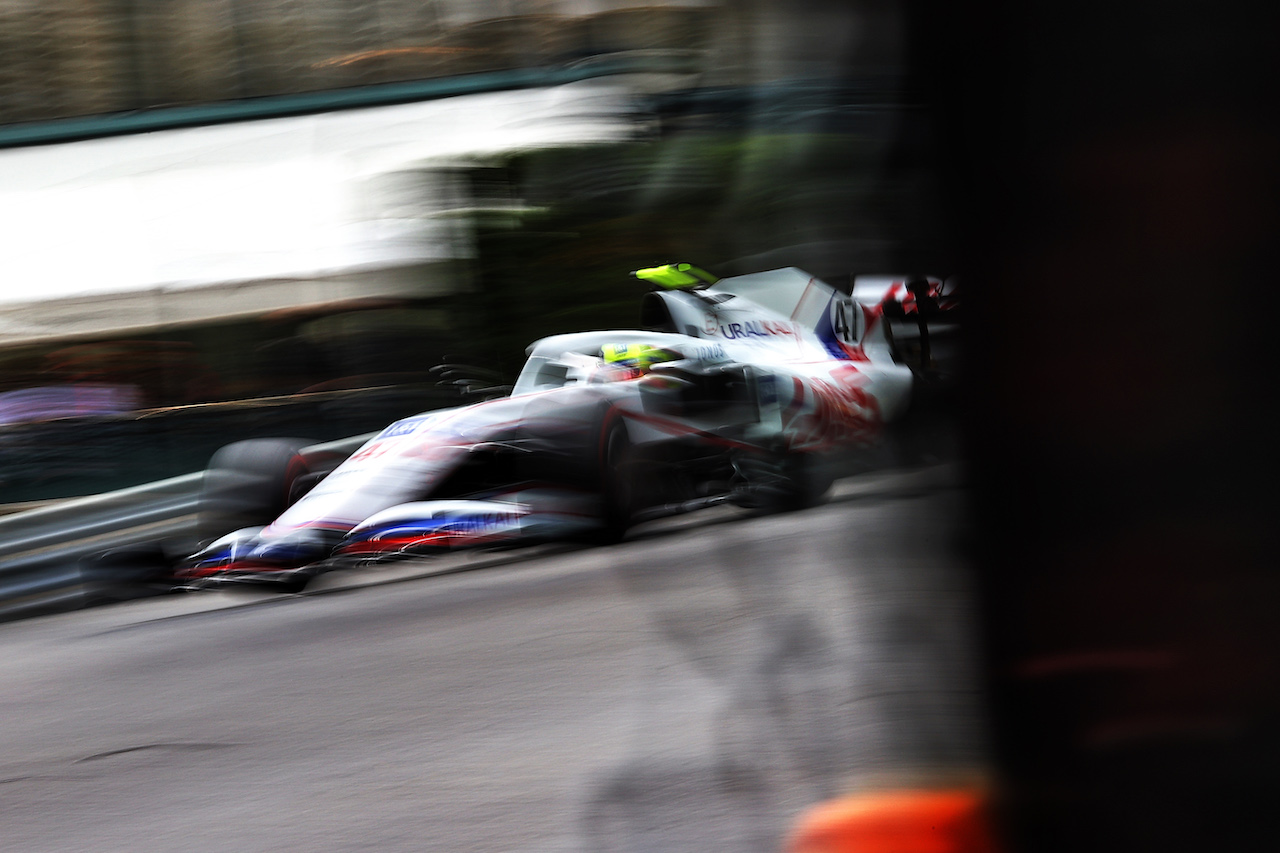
[{"x": 692, "y": 688}]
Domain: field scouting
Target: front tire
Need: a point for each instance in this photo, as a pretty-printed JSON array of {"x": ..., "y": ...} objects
[
  {"x": 249, "y": 483},
  {"x": 617, "y": 480}
]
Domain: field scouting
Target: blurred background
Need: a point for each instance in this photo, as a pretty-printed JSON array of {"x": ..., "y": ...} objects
[
  {"x": 499, "y": 171},
  {"x": 1103, "y": 177}
]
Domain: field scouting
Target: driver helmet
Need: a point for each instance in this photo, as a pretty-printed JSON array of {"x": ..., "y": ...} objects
[{"x": 633, "y": 360}]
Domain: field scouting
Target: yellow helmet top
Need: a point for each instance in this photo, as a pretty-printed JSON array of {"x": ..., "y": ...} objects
[{"x": 639, "y": 356}]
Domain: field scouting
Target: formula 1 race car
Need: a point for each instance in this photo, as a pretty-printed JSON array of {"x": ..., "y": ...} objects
[{"x": 749, "y": 389}]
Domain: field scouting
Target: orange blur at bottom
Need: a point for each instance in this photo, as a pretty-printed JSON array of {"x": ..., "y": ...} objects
[{"x": 896, "y": 822}]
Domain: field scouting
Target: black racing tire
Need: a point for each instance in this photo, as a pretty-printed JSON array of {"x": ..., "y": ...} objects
[
  {"x": 783, "y": 481},
  {"x": 616, "y": 480},
  {"x": 129, "y": 571},
  {"x": 928, "y": 431},
  {"x": 249, "y": 483}
]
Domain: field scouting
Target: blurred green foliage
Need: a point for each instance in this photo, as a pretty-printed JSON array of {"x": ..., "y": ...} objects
[{"x": 558, "y": 230}]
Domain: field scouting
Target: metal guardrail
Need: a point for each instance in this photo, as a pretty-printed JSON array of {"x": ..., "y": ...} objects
[{"x": 43, "y": 551}]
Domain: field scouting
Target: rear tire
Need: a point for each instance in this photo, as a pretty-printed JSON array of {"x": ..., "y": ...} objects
[
  {"x": 779, "y": 481},
  {"x": 806, "y": 481}
]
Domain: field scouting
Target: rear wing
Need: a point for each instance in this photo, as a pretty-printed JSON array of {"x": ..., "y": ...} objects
[
  {"x": 921, "y": 316},
  {"x": 901, "y": 296}
]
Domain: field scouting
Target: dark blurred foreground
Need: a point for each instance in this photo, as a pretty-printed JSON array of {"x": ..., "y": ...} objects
[{"x": 1113, "y": 184}]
